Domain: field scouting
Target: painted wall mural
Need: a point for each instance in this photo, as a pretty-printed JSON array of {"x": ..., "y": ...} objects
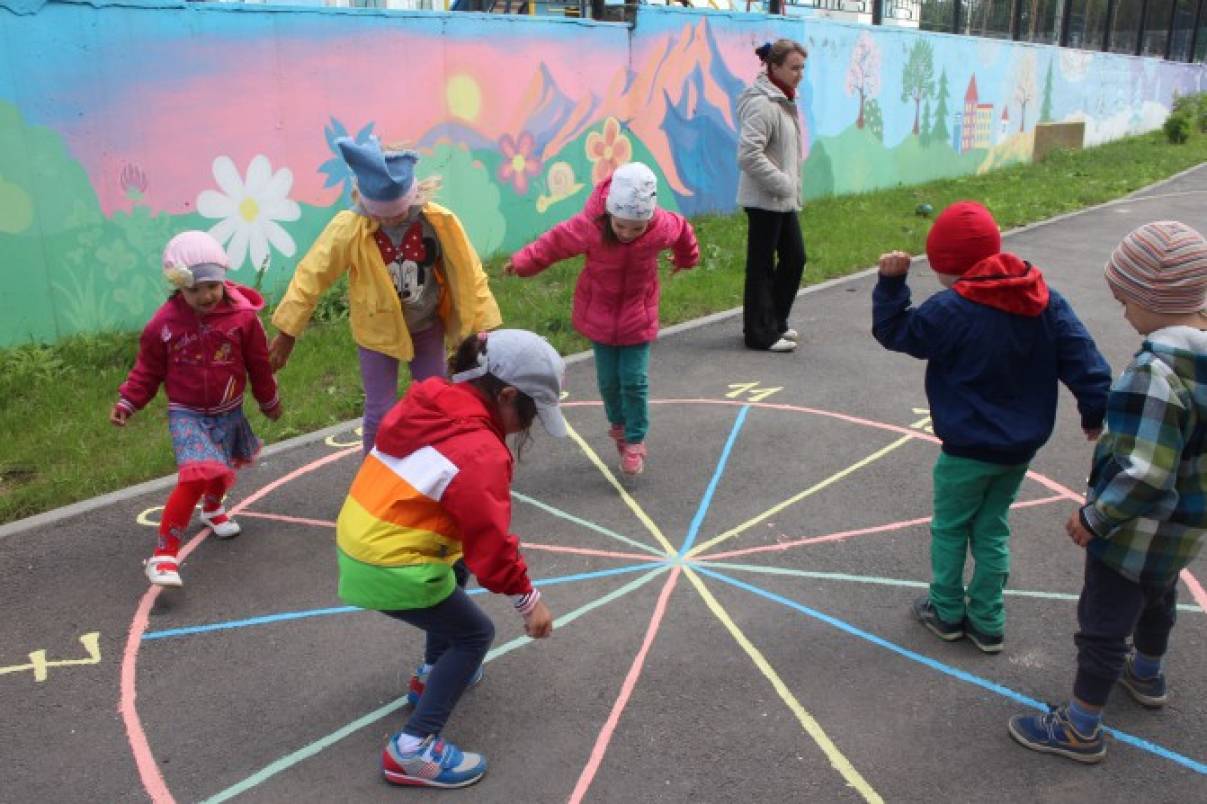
[{"x": 122, "y": 123}]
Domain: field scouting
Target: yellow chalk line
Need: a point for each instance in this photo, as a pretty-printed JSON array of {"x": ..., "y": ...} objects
[
  {"x": 729, "y": 534},
  {"x": 837, "y": 761},
  {"x": 633, "y": 505}
]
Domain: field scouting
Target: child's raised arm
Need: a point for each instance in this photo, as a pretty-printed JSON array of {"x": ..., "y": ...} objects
[{"x": 568, "y": 239}]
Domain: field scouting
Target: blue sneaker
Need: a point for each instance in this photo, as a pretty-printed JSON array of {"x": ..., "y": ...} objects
[
  {"x": 436, "y": 763},
  {"x": 419, "y": 683},
  {"x": 1150, "y": 692},
  {"x": 1054, "y": 733}
]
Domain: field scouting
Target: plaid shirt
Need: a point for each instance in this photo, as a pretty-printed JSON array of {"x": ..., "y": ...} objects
[{"x": 1147, "y": 504}]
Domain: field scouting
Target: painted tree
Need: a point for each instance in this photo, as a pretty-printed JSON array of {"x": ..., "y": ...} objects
[
  {"x": 938, "y": 131},
  {"x": 1045, "y": 111},
  {"x": 924, "y": 134},
  {"x": 875, "y": 120},
  {"x": 863, "y": 73},
  {"x": 1024, "y": 88},
  {"x": 918, "y": 77}
]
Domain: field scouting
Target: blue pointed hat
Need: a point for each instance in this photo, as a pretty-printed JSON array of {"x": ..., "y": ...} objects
[{"x": 384, "y": 179}]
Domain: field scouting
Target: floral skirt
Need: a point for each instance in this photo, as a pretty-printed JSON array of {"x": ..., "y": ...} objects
[{"x": 211, "y": 447}]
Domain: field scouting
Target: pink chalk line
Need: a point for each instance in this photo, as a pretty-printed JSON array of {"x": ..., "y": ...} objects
[
  {"x": 144, "y": 760},
  {"x": 626, "y": 691},
  {"x": 549, "y": 548},
  {"x": 847, "y": 534}
]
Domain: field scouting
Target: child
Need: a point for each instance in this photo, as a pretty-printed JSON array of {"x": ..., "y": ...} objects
[
  {"x": 203, "y": 344},
  {"x": 622, "y": 231},
  {"x": 997, "y": 342},
  {"x": 415, "y": 283},
  {"x": 435, "y": 487},
  {"x": 1145, "y": 514}
]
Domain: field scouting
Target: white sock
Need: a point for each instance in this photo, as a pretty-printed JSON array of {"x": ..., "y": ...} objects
[{"x": 407, "y": 743}]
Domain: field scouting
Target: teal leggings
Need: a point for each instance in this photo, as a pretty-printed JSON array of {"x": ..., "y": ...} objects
[
  {"x": 972, "y": 500},
  {"x": 624, "y": 383}
]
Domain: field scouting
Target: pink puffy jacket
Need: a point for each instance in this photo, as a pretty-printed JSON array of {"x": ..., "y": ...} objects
[{"x": 616, "y": 298}]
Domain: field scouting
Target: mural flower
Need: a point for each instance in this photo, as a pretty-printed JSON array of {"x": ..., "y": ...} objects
[
  {"x": 335, "y": 168},
  {"x": 518, "y": 162},
  {"x": 133, "y": 182},
  {"x": 250, "y": 210},
  {"x": 607, "y": 151}
]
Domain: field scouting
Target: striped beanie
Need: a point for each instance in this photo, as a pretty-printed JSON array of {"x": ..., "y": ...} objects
[{"x": 1161, "y": 266}]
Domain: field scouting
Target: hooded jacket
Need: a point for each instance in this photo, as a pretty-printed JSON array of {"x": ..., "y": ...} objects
[
  {"x": 769, "y": 148},
  {"x": 436, "y": 487},
  {"x": 1147, "y": 502},
  {"x": 997, "y": 345},
  {"x": 616, "y": 296},
  {"x": 348, "y": 245},
  {"x": 203, "y": 360}
]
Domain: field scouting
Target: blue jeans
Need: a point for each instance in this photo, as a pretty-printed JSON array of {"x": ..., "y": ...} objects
[
  {"x": 458, "y": 636},
  {"x": 624, "y": 383}
]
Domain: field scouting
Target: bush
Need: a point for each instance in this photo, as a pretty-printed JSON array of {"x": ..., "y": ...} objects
[{"x": 1177, "y": 127}]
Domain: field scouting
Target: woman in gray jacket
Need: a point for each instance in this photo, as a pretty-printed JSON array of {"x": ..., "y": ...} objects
[{"x": 769, "y": 189}]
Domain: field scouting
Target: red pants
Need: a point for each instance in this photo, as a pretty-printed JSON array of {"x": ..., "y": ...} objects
[{"x": 179, "y": 510}]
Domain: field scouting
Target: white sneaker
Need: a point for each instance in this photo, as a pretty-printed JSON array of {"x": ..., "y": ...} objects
[
  {"x": 227, "y": 529},
  {"x": 790, "y": 335},
  {"x": 782, "y": 345},
  {"x": 163, "y": 571}
]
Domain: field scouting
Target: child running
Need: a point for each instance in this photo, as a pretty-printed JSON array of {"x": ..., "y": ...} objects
[
  {"x": 1145, "y": 515},
  {"x": 436, "y": 488},
  {"x": 998, "y": 342},
  {"x": 621, "y": 230},
  {"x": 202, "y": 344},
  {"x": 415, "y": 285}
]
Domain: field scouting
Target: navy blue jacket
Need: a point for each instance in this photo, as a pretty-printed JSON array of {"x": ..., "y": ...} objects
[{"x": 991, "y": 376}]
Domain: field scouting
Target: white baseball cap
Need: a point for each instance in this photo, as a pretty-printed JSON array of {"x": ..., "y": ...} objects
[{"x": 529, "y": 363}]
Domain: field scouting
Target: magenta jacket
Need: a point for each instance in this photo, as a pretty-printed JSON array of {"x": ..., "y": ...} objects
[
  {"x": 203, "y": 361},
  {"x": 616, "y": 298}
]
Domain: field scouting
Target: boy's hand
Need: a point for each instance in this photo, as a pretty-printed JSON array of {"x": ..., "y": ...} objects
[
  {"x": 279, "y": 350},
  {"x": 275, "y": 413},
  {"x": 1077, "y": 532},
  {"x": 894, "y": 263},
  {"x": 1091, "y": 433},
  {"x": 118, "y": 415},
  {"x": 538, "y": 623},
  {"x": 508, "y": 269}
]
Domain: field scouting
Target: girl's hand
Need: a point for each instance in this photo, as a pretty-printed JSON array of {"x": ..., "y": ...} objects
[
  {"x": 279, "y": 350},
  {"x": 538, "y": 623},
  {"x": 275, "y": 413},
  {"x": 508, "y": 269},
  {"x": 1077, "y": 532},
  {"x": 118, "y": 415},
  {"x": 894, "y": 263}
]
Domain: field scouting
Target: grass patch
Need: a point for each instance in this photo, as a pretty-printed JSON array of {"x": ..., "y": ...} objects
[{"x": 56, "y": 399}]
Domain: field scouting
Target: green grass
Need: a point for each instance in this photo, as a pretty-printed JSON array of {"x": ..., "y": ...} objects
[{"x": 56, "y": 399}]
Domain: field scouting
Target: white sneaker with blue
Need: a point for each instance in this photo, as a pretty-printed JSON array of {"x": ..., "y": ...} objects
[{"x": 435, "y": 763}]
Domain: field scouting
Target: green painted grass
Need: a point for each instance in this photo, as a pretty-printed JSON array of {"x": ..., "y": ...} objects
[{"x": 56, "y": 399}]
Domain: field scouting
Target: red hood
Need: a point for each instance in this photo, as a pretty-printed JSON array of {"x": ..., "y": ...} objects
[
  {"x": 1006, "y": 283},
  {"x": 433, "y": 411},
  {"x": 597, "y": 202}
]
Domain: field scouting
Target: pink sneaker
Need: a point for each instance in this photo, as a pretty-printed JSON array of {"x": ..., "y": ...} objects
[
  {"x": 632, "y": 459},
  {"x": 616, "y": 433}
]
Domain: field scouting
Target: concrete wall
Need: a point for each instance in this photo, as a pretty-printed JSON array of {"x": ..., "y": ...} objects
[{"x": 123, "y": 122}]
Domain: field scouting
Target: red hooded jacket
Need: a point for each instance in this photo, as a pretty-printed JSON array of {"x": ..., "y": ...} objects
[
  {"x": 616, "y": 297},
  {"x": 203, "y": 361}
]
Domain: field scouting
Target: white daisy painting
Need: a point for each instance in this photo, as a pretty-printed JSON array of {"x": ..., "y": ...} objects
[{"x": 248, "y": 210}]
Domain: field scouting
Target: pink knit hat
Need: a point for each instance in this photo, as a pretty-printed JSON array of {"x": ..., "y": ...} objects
[
  {"x": 1161, "y": 266},
  {"x": 192, "y": 257}
]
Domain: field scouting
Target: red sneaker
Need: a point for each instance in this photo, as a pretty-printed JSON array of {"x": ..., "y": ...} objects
[{"x": 632, "y": 459}]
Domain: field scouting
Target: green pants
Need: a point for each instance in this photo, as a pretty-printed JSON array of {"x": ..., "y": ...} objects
[
  {"x": 624, "y": 383},
  {"x": 972, "y": 500}
]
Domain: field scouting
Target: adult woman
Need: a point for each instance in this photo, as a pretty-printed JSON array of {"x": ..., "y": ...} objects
[{"x": 769, "y": 189}]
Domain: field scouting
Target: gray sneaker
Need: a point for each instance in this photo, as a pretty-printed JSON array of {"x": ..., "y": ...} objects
[{"x": 925, "y": 612}]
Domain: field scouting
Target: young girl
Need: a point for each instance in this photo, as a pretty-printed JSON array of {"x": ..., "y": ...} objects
[
  {"x": 203, "y": 344},
  {"x": 436, "y": 488},
  {"x": 622, "y": 231},
  {"x": 415, "y": 283}
]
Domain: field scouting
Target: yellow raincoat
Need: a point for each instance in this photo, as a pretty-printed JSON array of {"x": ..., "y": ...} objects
[{"x": 347, "y": 244}]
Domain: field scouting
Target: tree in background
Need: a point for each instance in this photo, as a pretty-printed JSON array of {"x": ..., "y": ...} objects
[
  {"x": 1045, "y": 111},
  {"x": 875, "y": 119},
  {"x": 918, "y": 77},
  {"x": 1024, "y": 89},
  {"x": 924, "y": 134},
  {"x": 863, "y": 73},
  {"x": 938, "y": 131}
]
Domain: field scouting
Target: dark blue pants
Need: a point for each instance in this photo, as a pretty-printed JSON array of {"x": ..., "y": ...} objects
[
  {"x": 458, "y": 636},
  {"x": 1111, "y": 609},
  {"x": 775, "y": 262}
]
